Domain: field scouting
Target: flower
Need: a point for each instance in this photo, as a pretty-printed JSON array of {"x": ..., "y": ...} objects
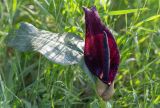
[{"x": 101, "y": 54}]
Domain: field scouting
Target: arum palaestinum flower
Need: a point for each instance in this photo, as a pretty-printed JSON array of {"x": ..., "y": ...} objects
[{"x": 101, "y": 53}]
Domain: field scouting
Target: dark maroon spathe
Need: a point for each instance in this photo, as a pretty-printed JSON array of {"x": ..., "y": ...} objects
[{"x": 101, "y": 53}]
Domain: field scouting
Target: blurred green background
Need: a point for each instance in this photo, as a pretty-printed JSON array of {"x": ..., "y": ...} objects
[{"x": 29, "y": 80}]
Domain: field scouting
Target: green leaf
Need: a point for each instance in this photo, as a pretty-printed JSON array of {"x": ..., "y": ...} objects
[
  {"x": 122, "y": 12},
  {"x": 148, "y": 19},
  {"x": 66, "y": 48}
]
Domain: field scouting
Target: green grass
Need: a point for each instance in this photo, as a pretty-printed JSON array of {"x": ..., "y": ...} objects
[{"x": 31, "y": 81}]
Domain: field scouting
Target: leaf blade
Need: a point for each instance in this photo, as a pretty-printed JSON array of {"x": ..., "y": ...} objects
[
  {"x": 122, "y": 12},
  {"x": 65, "y": 49}
]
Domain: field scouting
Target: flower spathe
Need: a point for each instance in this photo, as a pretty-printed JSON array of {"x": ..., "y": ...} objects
[{"x": 101, "y": 53}]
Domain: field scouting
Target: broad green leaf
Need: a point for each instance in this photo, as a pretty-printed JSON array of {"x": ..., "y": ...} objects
[
  {"x": 66, "y": 48},
  {"x": 122, "y": 12}
]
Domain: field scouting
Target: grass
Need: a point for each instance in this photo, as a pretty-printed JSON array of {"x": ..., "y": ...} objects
[{"x": 29, "y": 80}]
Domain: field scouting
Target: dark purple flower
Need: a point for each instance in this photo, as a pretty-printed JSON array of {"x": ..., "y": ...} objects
[{"x": 101, "y": 53}]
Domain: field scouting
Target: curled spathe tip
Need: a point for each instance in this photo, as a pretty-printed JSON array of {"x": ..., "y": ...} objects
[{"x": 93, "y": 8}]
